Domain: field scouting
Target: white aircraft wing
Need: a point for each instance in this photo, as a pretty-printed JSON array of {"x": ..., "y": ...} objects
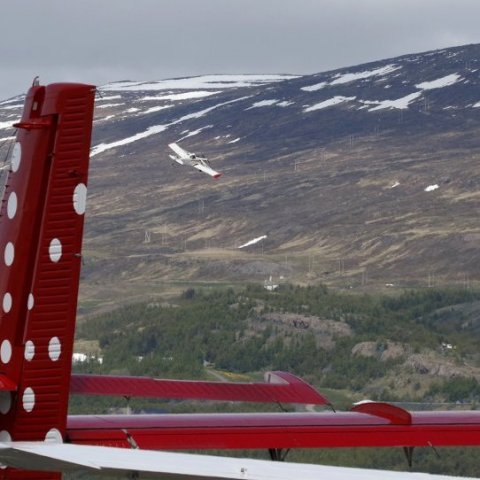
[
  {"x": 179, "y": 150},
  {"x": 206, "y": 169},
  {"x": 179, "y": 466}
]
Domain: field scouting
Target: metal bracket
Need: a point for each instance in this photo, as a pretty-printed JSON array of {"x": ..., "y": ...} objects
[
  {"x": 278, "y": 454},
  {"x": 409, "y": 455}
]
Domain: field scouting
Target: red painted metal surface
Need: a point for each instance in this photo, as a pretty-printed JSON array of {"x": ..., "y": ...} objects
[
  {"x": 275, "y": 430},
  {"x": 393, "y": 413},
  {"x": 41, "y": 228},
  {"x": 280, "y": 387},
  {"x": 7, "y": 384}
]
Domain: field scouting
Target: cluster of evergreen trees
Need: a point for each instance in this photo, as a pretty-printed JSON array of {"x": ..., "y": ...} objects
[
  {"x": 231, "y": 330},
  {"x": 227, "y": 328}
]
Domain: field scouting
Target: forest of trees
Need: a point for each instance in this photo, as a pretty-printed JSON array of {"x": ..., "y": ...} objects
[
  {"x": 228, "y": 329},
  {"x": 231, "y": 330}
]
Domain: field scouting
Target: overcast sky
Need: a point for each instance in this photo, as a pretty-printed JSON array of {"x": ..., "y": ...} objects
[{"x": 98, "y": 41}]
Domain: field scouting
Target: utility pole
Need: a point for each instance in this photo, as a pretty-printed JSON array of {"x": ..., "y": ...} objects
[
  {"x": 341, "y": 266},
  {"x": 425, "y": 103},
  {"x": 311, "y": 259},
  {"x": 164, "y": 235}
]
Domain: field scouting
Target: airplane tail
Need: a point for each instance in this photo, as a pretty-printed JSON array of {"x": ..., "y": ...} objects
[{"x": 41, "y": 227}]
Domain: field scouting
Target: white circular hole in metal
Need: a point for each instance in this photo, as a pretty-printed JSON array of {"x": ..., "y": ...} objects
[
  {"x": 12, "y": 205},
  {"x": 28, "y": 399},
  {"x": 7, "y": 302},
  {"x": 5, "y": 402},
  {"x": 29, "y": 350},
  {"x": 16, "y": 157},
  {"x": 6, "y": 351},
  {"x": 55, "y": 250},
  {"x": 54, "y": 349},
  {"x": 80, "y": 198},
  {"x": 9, "y": 254},
  {"x": 30, "y": 301}
]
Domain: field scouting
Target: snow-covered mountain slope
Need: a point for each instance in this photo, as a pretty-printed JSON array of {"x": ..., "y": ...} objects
[{"x": 363, "y": 176}]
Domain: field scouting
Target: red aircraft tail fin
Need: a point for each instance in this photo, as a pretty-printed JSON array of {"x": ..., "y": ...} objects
[{"x": 41, "y": 226}]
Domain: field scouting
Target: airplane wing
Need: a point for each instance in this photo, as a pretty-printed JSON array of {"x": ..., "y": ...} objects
[
  {"x": 179, "y": 466},
  {"x": 179, "y": 150},
  {"x": 208, "y": 170},
  {"x": 380, "y": 426},
  {"x": 279, "y": 387}
]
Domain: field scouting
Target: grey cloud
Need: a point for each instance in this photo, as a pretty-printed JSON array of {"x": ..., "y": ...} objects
[{"x": 98, "y": 41}]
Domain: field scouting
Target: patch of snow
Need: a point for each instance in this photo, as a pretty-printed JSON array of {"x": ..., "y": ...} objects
[
  {"x": 102, "y": 147},
  {"x": 132, "y": 110},
  {"x": 108, "y": 105},
  {"x": 110, "y": 97},
  {"x": 108, "y": 117},
  {"x": 351, "y": 77},
  {"x": 18, "y": 98},
  {"x": 8, "y": 125},
  {"x": 328, "y": 103},
  {"x": 236, "y": 140},
  {"x": 253, "y": 242},
  {"x": 476, "y": 105},
  {"x": 285, "y": 103},
  {"x": 440, "y": 82},
  {"x": 182, "y": 96},
  {"x": 399, "y": 103},
  {"x": 156, "y": 109},
  {"x": 12, "y": 107},
  {"x": 196, "y": 83},
  {"x": 263, "y": 103},
  {"x": 396, "y": 184},
  {"x": 194, "y": 132},
  {"x": 314, "y": 88},
  {"x": 431, "y": 188},
  {"x": 201, "y": 113},
  {"x": 153, "y": 130},
  {"x": 7, "y": 138}
]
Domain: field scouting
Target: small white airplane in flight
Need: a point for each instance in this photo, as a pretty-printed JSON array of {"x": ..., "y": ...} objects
[{"x": 191, "y": 159}]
